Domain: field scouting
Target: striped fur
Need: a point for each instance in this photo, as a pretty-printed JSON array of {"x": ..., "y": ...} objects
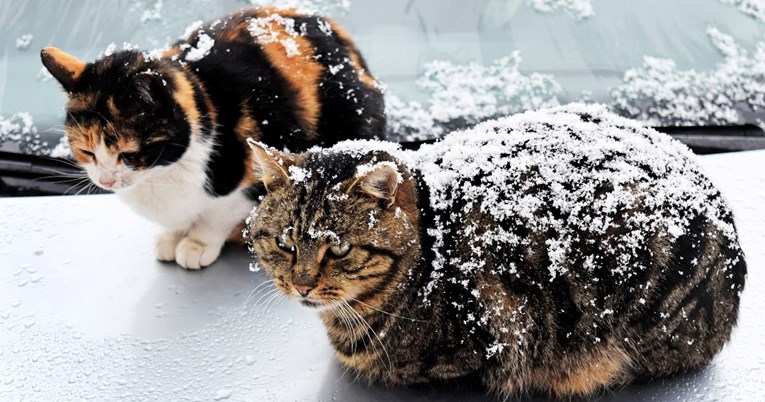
[
  {"x": 168, "y": 133},
  {"x": 440, "y": 285}
]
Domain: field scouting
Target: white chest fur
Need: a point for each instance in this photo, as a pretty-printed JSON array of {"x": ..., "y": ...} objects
[
  {"x": 196, "y": 223},
  {"x": 174, "y": 196}
]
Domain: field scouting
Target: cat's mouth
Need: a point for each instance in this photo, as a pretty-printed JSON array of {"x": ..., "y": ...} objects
[
  {"x": 311, "y": 303},
  {"x": 320, "y": 305}
]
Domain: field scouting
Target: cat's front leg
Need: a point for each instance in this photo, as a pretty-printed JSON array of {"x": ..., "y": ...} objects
[
  {"x": 166, "y": 243},
  {"x": 202, "y": 244},
  {"x": 200, "y": 247}
]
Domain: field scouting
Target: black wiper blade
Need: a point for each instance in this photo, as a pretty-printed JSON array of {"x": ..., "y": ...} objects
[
  {"x": 32, "y": 175},
  {"x": 717, "y": 139}
]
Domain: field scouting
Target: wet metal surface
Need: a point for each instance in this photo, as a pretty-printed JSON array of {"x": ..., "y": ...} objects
[{"x": 86, "y": 313}]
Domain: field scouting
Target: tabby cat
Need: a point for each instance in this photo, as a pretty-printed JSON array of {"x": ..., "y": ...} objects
[
  {"x": 564, "y": 251},
  {"x": 166, "y": 132}
]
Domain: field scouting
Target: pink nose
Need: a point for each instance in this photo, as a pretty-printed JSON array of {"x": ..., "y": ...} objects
[
  {"x": 303, "y": 290},
  {"x": 107, "y": 182}
]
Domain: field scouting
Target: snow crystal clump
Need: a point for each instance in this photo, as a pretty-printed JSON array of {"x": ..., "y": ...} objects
[
  {"x": 112, "y": 47},
  {"x": 154, "y": 13},
  {"x": 753, "y": 8},
  {"x": 21, "y": 130},
  {"x": 62, "y": 149},
  {"x": 298, "y": 174},
  {"x": 580, "y": 9},
  {"x": 195, "y": 26},
  {"x": 363, "y": 170},
  {"x": 24, "y": 41},
  {"x": 467, "y": 94},
  {"x": 264, "y": 31},
  {"x": 659, "y": 94},
  {"x": 204, "y": 45}
]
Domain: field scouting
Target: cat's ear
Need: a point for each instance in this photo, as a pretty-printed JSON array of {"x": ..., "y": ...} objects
[
  {"x": 270, "y": 165},
  {"x": 147, "y": 92},
  {"x": 379, "y": 181},
  {"x": 64, "y": 67}
]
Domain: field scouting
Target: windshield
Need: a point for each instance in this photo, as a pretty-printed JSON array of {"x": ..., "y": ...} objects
[{"x": 444, "y": 65}]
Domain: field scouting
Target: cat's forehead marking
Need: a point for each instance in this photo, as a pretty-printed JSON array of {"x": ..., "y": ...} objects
[
  {"x": 112, "y": 106},
  {"x": 81, "y": 102}
]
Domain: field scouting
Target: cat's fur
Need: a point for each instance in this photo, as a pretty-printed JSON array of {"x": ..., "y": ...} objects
[
  {"x": 562, "y": 252},
  {"x": 167, "y": 132}
]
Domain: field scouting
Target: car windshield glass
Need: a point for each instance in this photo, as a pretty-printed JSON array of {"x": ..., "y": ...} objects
[{"x": 445, "y": 64}]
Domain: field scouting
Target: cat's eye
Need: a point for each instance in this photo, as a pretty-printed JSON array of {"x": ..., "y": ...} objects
[
  {"x": 88, "y": 154},
  {"x": 285, "y": 241},
  {"x": 340, "y": 249},
  {"x": 126, "y": 157}
]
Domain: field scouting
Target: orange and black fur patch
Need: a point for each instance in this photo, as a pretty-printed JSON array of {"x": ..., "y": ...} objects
[{"x": 278, "y": 76}]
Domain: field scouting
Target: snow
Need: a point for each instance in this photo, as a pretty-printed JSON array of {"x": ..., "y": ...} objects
[
  {"x": 24, "y": 41},
  {"x": 62, "y": 149},
  {"x": 298, "y": 174},
  {"x": 466, "y": 94},
  {"x": 659, "y": 94},
  {"x": 363, "y": 170},
  {"x": 21, "y": 130},
  {"x": 753, "y": 8},
  {"x": 202, "y": 49},
  {"x": 110, "y": 49},
  {"x": 154, "y": 13},
  {"x": 265, "y": 31},
  {"x": 580, "y": 9}
]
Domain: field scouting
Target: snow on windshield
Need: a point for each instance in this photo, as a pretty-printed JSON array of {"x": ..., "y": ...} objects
[
  {"x": 450, "y": 94},
  {"x": 753, "y": 8},
  {"x": 21, "y": 130},
  {"x": 466, "y": 94},
  {"x": 580, "y": 9},
  {"x": 659, "y": 94}
]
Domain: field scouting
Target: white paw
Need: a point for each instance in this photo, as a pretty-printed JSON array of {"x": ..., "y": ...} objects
[
  {"x": 165, "y": 244},
  {"x": 193, "y": 254}
]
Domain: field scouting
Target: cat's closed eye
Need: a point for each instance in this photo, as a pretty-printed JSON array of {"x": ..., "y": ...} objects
[
  {"x": 127, "y": 157},
  {"x": 89, "y": 154}
]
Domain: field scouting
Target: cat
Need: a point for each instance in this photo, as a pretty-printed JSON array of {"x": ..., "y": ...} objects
[
  {"x": 166, "y": 132},
  {"x": 563, "y": 252}
]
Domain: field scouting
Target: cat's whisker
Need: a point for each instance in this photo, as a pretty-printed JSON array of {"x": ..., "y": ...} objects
[
  {"x": 252, "y": 293},
  {"x": 388, "y": 313},
  {"x": 263, "y": 297},
  {"x": 347, "y": 321},
  {"x": 389, "y": 366},
  {"x": 344, "y": 317},
  {"x": 81, "y": 182},
  {"x": 275, "y": 301}
]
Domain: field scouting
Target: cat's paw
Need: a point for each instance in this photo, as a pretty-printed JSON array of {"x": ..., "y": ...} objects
[
  {"x": 193, "y": 254},
  {"x": 165, "y": 245}
]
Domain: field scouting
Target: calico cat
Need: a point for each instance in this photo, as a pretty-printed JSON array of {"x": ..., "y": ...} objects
[
  {"x": 166, "y": 132},
  {"x": 563, "y": 251}
]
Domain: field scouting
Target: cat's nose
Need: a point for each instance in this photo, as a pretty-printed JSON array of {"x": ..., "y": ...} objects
[
  {"x": 303, "y": 290},
  {"x": 107, "y": 182}
]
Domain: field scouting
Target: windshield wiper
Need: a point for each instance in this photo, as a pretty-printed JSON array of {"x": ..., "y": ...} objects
[
  {"x": 31, "y": 175},
  {"x": 717, "y": 139}
]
